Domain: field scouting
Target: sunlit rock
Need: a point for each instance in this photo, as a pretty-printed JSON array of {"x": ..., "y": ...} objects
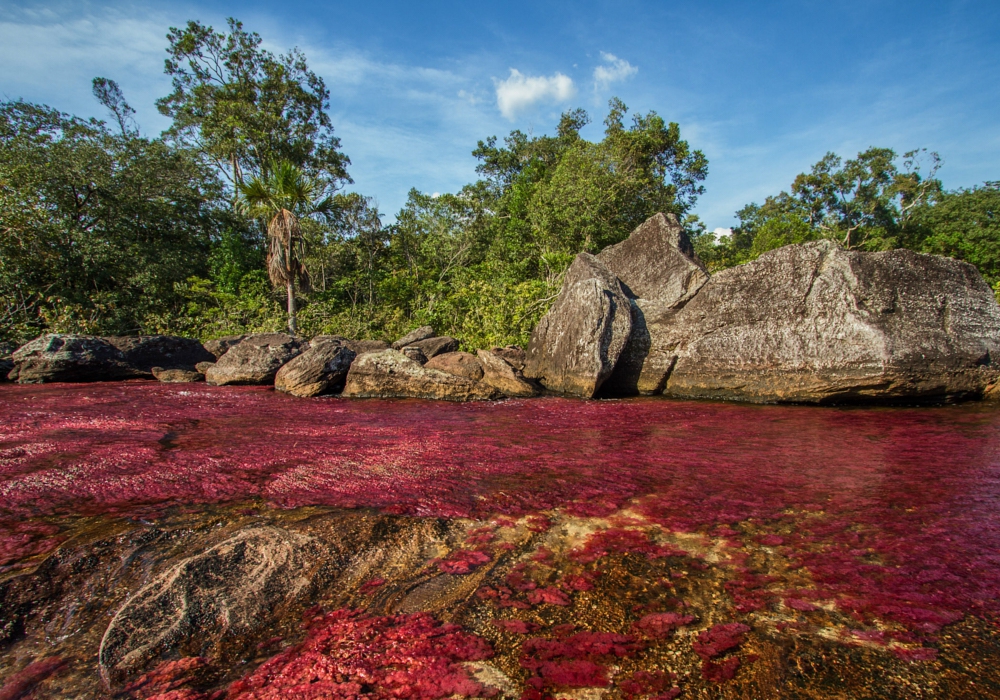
[
  {"x": 461, "y": 364},
  {"x": 390, "y": 373},
  {"x": 255, "y": 360},
  {"x": 499, "y": 374},
  {"x": 319, "y": 370}
]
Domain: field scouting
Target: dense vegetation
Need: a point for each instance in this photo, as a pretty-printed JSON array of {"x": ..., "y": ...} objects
[{"x": 106, "y": 231}]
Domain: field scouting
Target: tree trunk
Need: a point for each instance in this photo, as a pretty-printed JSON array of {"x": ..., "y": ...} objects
[{"x": 292, "y": 325}]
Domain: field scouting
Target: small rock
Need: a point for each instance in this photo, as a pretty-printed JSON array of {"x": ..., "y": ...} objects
[
  {"x": 499, "y": 374},
  {"x": 256, "y": 359},
  {"x": 432, "y": 347},
  {"x": 461, "y": 364},
  {"x": 415, "y": 353},
  {"x": 422, "y": 333},
  {"x": 319, "y": 370},
  {"x": 177, "y": 376},
  {"x": 390, "y": 373},
  {"x": 203, "y": 367}
]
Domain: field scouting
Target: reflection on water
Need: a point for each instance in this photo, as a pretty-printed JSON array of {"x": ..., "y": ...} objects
[{"x": 887, "y": 518}]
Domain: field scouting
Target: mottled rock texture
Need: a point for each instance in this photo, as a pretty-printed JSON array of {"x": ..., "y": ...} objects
[
  {"x": 415, "y": 354},
  {"x": 177, "y": 376},
  {"x": 576, "y": 345},
  {"x": 56, "y": 357},
  {"x": 514, "y": 354},
  {"x": 168, "y": 351},
  {"x": 228, "y": 590},
  {"x": 203, "y": 367},
  {"x": 391, "y": 374},
  {"x": 461, "y": 364},
  {"x": 438, "y": 345},
  {"x": 500, "y": 375},
  {"x": 815, "y": 323},
  {"x": 362, "y": 346},
  {"x": 255, "y": 360},
  {"x": 319, "y": 370},
  {"x": 658, "y": 267},
  {"x": 219, "y": 346},
  {"x": 422, "y": 333}
]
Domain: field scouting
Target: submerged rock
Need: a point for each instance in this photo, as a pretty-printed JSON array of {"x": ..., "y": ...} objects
[
  {"x": 576, "y": 345},
  {"x": 177, "y": 376},
  {"x": 413, "y": 336},
  {"x": 461, "y": 364},
  {"x": 816, "y": 323},
  {"x": 500, "y": 375},
  {"x": 57, "y": 357},
  {"x": 196, "y": 605},
  {"x": 391, "y": 374},
  {"x": 319, "y": 370},
  {"x": 255, "y": 360}
]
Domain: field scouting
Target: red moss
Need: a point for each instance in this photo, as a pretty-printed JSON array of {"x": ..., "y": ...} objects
[
  {"x": 720, "y": 671},
  {"x": 575, "y": 661},
  {"x": 645, "y": 683},
  {"x": 516, "y": 626},
  {"x": 24, "y": 681},
  {"x": 348, "y": 654},
  {"x": 619, "y": 541},
  {"x": 660, "y": 625},
  {"x": 719, "y": 639},
  {"x": 463, "y": 561},
  {"x": 549, "y": 595}
]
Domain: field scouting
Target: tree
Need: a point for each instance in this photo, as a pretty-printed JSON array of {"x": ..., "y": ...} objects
[
  {"x": 110, "y": 95},
  {"x": 241, "y": 107},
  {"x": 281, "y": 196}
]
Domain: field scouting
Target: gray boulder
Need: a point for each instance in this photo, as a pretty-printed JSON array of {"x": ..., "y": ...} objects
[
  {"x": 220, "y": 346},
  {"x": 143, "y": 352},
  {"x": 390, "y": 373},
  {"x": 210, "y": 600},
  {"x": 415, "y": 353},
  {"x": 461, "y": 364},
  {"x": 360, "y": 347},
  {"x": 438, "y": 345},
  {"x": 255, "y": 360},
  {"x": 500, "y": 375},
  {"x": 319, "y": 370},
  {"x": 576, "y": 345},
  {"x": 57, "y": 357},
  {"x": 422, "y": 333},
  {"x": 815, "y": 323},
  {"x": 660, "y": 272}
]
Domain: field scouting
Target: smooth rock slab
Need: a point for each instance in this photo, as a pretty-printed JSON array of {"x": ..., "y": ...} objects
[
  {"x": 319, "y": 370},
  {"x": 438, "y": 345},
  {"x": 230, "y": 589},
  {"x": 576, "y": 345},
  {"x": 461, "y": 364},
  {"x": 815, "y": 323},
  {"x": 177, "y": 376},
  {"x": 499, "y": 374},
  {"x": 413, "y": 336},
  {"x": 255, "y": 360},
  {"x": 390, "y": 374}
]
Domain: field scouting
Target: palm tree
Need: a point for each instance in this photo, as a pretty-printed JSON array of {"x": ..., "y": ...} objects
[{"x": 280, "y": 197}]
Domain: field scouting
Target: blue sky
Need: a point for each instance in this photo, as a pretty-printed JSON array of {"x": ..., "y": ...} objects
[{"x": 763, "y": 88}]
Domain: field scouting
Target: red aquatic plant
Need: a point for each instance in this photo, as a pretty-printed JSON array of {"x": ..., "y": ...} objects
[
  {"x": 660, "y": 625},
  {"x": 463, "y": 561},
  {"x": 718, "y": 639},
  {"x": 22, "y": 683}
]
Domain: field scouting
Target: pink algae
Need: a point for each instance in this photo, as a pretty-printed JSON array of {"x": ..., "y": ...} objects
[
  {"x": 576, "y": 661},
  {"x": 719, "y": 639},
  {"x": 463, "y": 561},
  {"x": 22, "y": 683},
  {"x": 661, "y": 625},
  {"x": 894, "y": 514}
]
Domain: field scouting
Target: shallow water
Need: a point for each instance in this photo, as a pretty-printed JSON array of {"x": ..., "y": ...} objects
[{"x": 871, "y": 527}]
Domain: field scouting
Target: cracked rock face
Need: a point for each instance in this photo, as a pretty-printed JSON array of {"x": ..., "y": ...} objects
[
  {"x": 255, "y": 360},
  {"x": 195, "y": 605},
  {"x": 319, "y": 370},
  {"x": 816, "y": 323},
  {"x": 576, "y": 345},
  {"x": 390, "y": 373}
]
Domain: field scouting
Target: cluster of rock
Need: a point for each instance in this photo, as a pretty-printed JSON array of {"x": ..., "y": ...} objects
[
  {"x": 809, "y": 323},
  {"x": 419, "y": 365}
]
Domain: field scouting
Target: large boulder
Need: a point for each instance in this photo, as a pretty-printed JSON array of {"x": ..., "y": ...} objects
[
  {"x": 422, "y": 333},
  {"x": 390, "y": 373},
  {"x": 660, "y": 272},
  {"x": 576, "y": 345},
  {"x": 360, "y": 347},
  {"x": 255, "y": 360},
  {"x": 319, "y": 370},
  {"x": 57, "y": 357},
  {"x": 143, "y": 352},
  {"x": 220, "y": 346},
  {"x": 6, "y": 361},
  {"x": 499, "y": 374},
  {"x": 815, "y": 323},
  {"x": 211, "y": 600},
  {"x": 438, "y": 345},
  {"x": 461, "y": 364}
]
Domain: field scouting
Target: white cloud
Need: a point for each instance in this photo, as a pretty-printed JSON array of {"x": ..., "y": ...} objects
[
  {"x": 519, "y": 91},
  {"x": 616, "y": 69},
  {"x": 722, "y": 232}
]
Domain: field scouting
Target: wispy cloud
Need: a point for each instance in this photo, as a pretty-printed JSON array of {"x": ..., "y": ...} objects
[
  {"x": 519, "y": 91},
  {"x": 613, "y": 70}
]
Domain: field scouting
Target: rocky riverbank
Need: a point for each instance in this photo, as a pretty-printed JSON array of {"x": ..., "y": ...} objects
[{"x": 808, "y": 323}]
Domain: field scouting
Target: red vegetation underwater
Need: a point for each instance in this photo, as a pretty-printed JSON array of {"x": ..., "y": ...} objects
[{"x": 894, "y": 514}]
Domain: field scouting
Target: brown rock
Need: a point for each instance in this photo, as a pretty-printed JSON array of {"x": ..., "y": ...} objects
[
  {"x": 220, "y": 346},
  {"x": 57, "y": 357},
  {"x": 177, "y": 376},
  {"x": 815, "y": 323},
  {"x": 422, "y": 333},
  {"x": 203, "y": 367},
  {"x": 415, "y": 353},
  {"x": 658, "y": 267},
  {"x": 499, "y": 374},
  {"x": 390, "y": 373},
  {"x": 319, "y": 370},
  {"x": 461, "y": 364},
  {"x": 143, "y": 352},
  {"x": 514, "y": 354},
  {"x": 360, "y": 347},
  {"x": 432, "y": 347},
  {"x": 576, "y": 345},
  {"x": 256, "y": 359}
]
